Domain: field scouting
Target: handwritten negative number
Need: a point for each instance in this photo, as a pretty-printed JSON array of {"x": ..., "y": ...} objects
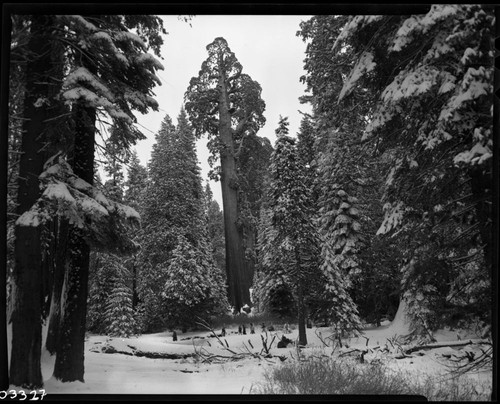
[{"x": 22, "y": 394}]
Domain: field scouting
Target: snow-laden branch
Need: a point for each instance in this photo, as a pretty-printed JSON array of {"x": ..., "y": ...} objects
[{"x": 106, "y": 223}]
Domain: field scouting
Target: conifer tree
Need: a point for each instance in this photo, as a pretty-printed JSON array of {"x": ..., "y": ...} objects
[
  {"x": 193, "y": 286},
  {"x": 225, "y": 104},
  {"x": 294, "y": 234},
  {"x": 119, "y": 314},
  {"x": 136, "y": 185},
  {"x": 175, "y": 206}
]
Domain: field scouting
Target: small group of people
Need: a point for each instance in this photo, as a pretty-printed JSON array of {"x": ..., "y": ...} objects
[{"x": 242, "y": 329}]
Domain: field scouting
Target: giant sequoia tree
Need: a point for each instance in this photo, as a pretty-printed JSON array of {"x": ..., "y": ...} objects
[{"x": 225, "y": 104}]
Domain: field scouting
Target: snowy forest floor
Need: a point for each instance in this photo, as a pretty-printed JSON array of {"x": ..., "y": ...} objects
[{"x": 125, "y": 369}]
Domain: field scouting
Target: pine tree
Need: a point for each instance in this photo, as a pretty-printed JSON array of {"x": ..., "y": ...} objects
[
  {"x": 111, "y": 305},
  {"x": 293, "y": 234},
  {"x": 135, "y": 193},
  {"x": 192, "y": 288},
  {"x": 175, "y": 206},
  {"x": 119, "y": 314}
]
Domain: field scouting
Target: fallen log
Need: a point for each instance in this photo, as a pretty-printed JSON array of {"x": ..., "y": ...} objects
[
  {"x": 450, "y": 344},
  {"x": 109, "y": 349}
]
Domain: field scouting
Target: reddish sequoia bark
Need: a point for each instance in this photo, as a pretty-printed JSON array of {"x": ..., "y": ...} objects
[{"x": 235, "y": 257}]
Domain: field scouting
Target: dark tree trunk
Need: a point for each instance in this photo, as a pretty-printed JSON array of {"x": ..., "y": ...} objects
[
  {"x": 69, "y": 365},
  {"x": 235, "y": 253},
  {"x": 135, "y": 296},
  {"x": 301, "y": 316},
  {"x": 301, "y": 310},
  {"x": 58, "y": 280},
  {"x": 48, "y": 267},
  {"x": 249, "y": 261},
  {"x": 25, "y": 368},
  {"x": 482, "y": 184}
]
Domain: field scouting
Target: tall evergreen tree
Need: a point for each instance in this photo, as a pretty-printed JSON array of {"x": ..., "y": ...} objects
[
  {"x": 119, "y": 313},
  {"x": 294, "y": 234},
  {"x": 225, "y": 104},
  {"x": 193, "y": 286},
  {"x": 175, "y": 206},
  {"x": 136, "y": 185}
]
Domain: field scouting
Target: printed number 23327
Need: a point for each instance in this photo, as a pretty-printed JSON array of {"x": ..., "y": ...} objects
[{"x": 22, "y": 395}]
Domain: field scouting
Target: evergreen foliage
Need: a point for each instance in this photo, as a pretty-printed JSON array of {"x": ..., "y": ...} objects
[
  {"x": 119, "y": 313},
  {"x": 193, "y": 286},
  {"x": 291, "y": 246},
  {"x": 174, "y": 206},
  {"x": 416, "y": 93}
]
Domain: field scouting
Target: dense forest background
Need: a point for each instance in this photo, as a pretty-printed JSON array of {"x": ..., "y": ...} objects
[{"x": 385, "y": 194}]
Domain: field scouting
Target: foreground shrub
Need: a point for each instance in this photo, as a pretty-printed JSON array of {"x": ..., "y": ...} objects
[{"x": 327, "y": 375}]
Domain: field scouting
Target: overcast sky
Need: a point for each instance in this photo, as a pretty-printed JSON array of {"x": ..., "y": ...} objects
[{"x": 266, "y": 46}]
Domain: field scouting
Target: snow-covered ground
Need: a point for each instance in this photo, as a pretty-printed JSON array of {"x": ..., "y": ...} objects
[{"x": 121, "y": 373}]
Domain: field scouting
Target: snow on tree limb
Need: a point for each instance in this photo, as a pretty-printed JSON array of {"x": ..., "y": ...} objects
[
  {"x": 364, "y": 65},
  {"x": 106, "y": 223}
]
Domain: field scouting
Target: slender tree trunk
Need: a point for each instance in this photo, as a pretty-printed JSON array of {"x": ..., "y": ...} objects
[
  {"x": 301, "y": 312},
  {"x": 58, "y": 279},
  {"x": 235, "y": 253},
  {"x": 135, "y": 296},
  {"x": 69, "y": 364},
  {"x": 482, "y": 185},
  {"x": 25, "y": 368}
]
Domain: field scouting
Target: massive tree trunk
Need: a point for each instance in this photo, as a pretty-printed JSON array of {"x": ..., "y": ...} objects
[
  {"x": 235, "y": 253},
  {"x": 25, "y": 368}
]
